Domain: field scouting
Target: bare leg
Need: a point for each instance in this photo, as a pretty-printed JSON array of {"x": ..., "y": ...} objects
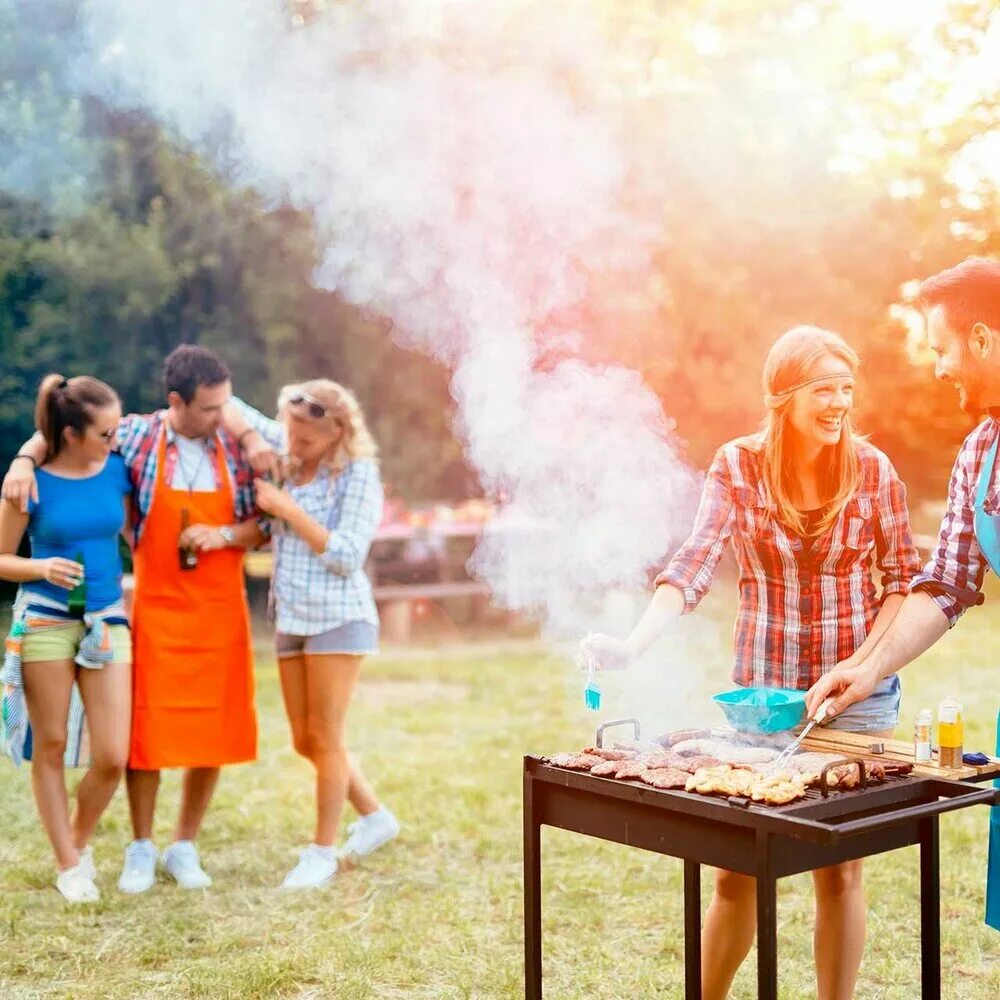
[
  {"x": 196, "y": 793},
  {"x": 359, "y": 792},
  {"x": 107, "y": 701},
  {"x": 307, "y": 685},
  {"x": 47, "y": 688},
  {"x": 839, "y": 942},
  {"x": 142, "y": 787},
  {"x": 730, "y": 926}
]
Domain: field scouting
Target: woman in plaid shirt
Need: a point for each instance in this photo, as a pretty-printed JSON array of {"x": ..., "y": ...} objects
[
  {"x": 325, "y": 519},
  {"x": 806, "y": 505}
]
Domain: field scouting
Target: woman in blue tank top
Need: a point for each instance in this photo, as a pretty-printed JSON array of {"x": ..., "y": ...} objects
[{"x": 69, "y": 623}]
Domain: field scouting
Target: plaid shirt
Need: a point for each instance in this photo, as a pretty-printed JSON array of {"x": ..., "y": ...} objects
[
  {"x": 317, "y": 592},
  {"x": 954, "y": 575},
  {"x": 801, "y": 609},
  {"x": 138, "y": 436}
]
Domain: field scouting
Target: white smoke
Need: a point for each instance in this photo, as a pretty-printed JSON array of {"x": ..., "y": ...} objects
[{"x": 470, "y": 183}]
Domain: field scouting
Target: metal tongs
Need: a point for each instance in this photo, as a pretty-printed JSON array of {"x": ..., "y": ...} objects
[{"x": 817, "y": 720}]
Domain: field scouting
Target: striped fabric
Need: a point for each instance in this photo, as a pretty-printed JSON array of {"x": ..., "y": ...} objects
[
  {"x": 94, "y": 652},
  {"x": 954, "y": 575},
  {"x": 137, "y": 438},
  {"x": 801, "y": 609}
]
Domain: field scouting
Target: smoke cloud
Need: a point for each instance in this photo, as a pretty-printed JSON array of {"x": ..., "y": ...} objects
[{"x": 470, "y": 179}]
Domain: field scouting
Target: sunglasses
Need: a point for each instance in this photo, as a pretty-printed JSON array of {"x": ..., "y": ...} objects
[{"x": 313, "y": 406}]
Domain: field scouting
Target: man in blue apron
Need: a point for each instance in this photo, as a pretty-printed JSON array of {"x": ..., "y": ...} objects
[{"x": 962, "y": 311}]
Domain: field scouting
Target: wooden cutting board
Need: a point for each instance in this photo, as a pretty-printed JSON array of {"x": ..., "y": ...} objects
[{"x": 858, "y": 744}]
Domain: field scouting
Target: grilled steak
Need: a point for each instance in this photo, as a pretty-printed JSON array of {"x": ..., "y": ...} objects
[
  {"x": 575, "y": 761},
  {"x": 608, "y": 768},
  {"x": 605, "y": 754},
  {"x": 631, "y": 769},
  {"x": 665, "y": 777}
]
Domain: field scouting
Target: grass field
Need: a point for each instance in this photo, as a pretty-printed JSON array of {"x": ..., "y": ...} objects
[{"x": 438, "y": 914}]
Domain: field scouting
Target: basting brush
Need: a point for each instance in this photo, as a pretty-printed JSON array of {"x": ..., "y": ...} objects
[{"x": 592, "y": 692}]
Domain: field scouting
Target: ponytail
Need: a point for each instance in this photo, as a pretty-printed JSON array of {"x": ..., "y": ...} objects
[{"x": 68, "y": 403}]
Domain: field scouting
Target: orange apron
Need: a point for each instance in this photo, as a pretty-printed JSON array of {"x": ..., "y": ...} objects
[{"x": 193, "y": 659}]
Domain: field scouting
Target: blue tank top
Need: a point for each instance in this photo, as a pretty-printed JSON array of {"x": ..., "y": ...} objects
[{"x": 81, "y": 517}]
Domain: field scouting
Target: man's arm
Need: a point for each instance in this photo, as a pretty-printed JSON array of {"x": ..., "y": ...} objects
[
  {"x": 917, "y": 626},
  {"x": 19, "y": 485}
]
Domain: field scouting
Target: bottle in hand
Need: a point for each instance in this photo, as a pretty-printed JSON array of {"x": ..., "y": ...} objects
[
  {"x": 78, "y": 595},
  {"x": 188, "y": 556}
]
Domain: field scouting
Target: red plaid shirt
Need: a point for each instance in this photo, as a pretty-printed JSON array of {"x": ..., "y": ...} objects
[
  {"x": 801, "y": 610},
  {"x": 954, "y": 575}
]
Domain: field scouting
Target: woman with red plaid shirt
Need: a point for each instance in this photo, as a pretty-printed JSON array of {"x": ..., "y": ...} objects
[{"x": 806, "y": 505}]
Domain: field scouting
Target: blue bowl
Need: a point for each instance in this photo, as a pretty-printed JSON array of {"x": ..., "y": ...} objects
[{"x": 763, "y": 709}]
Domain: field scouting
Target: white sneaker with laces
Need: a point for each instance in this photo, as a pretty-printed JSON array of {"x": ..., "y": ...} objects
[
  {"x": 370, "y": 832},
  {"x": 139, "y": 871},
  {"x": 181, "y": 861},
  {"x": 77, "y": 885},
  {"x": 315, "y": 868}
]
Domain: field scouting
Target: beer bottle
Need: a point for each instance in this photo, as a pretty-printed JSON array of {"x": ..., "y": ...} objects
[
  {"x": 78, "y": 595},
  {"x": 188, "y": 557}
]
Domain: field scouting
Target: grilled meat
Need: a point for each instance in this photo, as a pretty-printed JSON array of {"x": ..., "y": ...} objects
[
  {"x": 631, "y": 769},
  {"x": 692, "y": 764},
  {"x": 608, "y": 768},
  {"x": 665, "y": 777},
  {"x": 662, "y": 759},
  {"x": 605, "y": 754},
  {"x": 722, "y": 780},
  {"x": 672, "y": 739},
  {"x": 575, "y": 761}
]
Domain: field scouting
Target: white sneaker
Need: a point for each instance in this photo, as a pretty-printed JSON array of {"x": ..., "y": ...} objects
[
  {"x": 370, "y": 832},
  {"x": 315, "y": 868},
  {"x": 77, "y": 885},
  {"x": 87, "y": 862},
  {"x": 139, "y": 871},
  {"x": 182, "y": 862}
]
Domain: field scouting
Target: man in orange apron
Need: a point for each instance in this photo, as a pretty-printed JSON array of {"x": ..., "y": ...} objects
[{"x": 194, "y": 514}]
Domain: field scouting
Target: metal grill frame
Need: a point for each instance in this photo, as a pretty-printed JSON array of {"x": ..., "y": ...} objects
[{"x": 766, "y": 842}]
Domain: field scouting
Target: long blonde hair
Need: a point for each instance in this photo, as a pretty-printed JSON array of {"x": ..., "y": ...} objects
[
  {"x": 342, "y": 410},
  {"x": 788, "y": 364}
]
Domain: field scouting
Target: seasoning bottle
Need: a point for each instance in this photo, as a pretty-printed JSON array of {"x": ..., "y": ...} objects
[
  {"x": 78, "y": 595},
  {"x": 922, "y": 737},
  {"x": 188, "y": 556},
  {"x": 950, "y": 733}
]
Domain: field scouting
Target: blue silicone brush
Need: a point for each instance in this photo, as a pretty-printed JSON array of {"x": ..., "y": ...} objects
[{"x": 592, "y": 692}]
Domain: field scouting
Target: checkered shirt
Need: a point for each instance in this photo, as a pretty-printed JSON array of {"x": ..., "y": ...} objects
[
  {"x": 138, "y": 436},
  {"x": 801, "y": 609},
  {"x": 313, "y": 592},
  {"x": 954, "y": 575}
]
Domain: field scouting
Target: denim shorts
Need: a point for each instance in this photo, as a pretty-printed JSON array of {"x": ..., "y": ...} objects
[
  {"x": 351, "y": 638},
  {"x": 880, "y": 711}
]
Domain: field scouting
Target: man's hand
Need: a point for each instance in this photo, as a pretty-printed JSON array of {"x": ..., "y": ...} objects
[
  {"x": 605, "y": 652},
  {"x": 20, "y": 485},
  {"x": 202, "y": 538},
  {"x": 262, "y": 457},
  {"x": 847, "y": 685}
]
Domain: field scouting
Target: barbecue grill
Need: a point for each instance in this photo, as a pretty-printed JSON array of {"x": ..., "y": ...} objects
[{"x": 765, "y": 841}]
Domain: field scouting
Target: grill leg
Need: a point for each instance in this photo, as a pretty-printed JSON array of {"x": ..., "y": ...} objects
[
  {"x": 930, "y": 910},
  {"x": 767, "y": 922},
  {"x": 692, "y": 930},
  {"x": 532, "y": 896}
]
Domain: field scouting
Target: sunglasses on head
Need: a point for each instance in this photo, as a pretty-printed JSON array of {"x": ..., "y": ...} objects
[{"x": 313, "y": 406}]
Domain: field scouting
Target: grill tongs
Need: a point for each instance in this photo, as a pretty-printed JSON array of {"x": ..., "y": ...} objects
[{"x": 817, "y": 720}]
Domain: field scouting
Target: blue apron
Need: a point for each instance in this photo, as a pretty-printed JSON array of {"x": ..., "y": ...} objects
[{"x": 988, "y": 536}]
